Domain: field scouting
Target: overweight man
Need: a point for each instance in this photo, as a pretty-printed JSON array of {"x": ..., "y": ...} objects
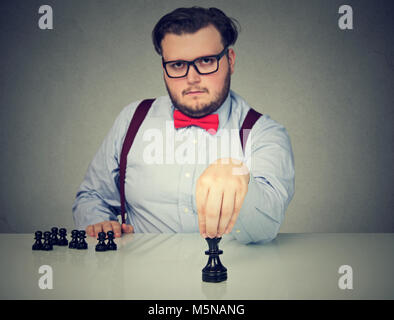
[{"x": 187, "y": 169}]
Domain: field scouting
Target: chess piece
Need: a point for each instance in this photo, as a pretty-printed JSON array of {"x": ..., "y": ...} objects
[
  {"x": 74, "y": 239},
  {"x": 101, "y": 246},
  {"x": 38, "y": 244},
  {"x": 214, "y": 271},
  {"x": 47, "y": 246},
  {"x": 62, "y": 237},
  {"x": 82, "y": 244},
  {"x": 54, "y": 237},
  {"x": 111, "y": 245}
]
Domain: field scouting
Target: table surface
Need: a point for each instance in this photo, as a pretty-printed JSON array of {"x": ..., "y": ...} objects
[{"x": 168, "y": 266}]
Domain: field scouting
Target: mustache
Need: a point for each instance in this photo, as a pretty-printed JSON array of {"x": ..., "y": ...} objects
[{"x": 186, "y": 91}]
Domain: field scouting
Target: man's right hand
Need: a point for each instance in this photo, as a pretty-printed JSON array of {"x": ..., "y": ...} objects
[{"x": 94, "y": 229}]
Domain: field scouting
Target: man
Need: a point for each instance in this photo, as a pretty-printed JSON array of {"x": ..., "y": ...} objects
[{"x": 167, "y": 189}]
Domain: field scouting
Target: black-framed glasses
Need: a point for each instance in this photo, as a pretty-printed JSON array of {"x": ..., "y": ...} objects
[{"x": 203, "y": 65}]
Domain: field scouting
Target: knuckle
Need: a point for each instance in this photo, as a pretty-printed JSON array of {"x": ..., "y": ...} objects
[
  {"x": 226, "y": 211},
  {"x": 115, "y": 225},
  {"x": 240, "y": 187},
  {"x": 201, "y": 209},
  {"x": 203, "y": 181},
  {"x": 219, "y": 180},
  {"x": 237, "y": 209},
  {"x": 202, "y": 223},
  {"x": 201, "y": 219},
  {"x": 211, "y": 215}
]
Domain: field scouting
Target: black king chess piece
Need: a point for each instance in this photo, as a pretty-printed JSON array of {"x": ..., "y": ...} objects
[
  {"x": 74, "y": 239},
  {"x": 38, "y": 244},
  {"x": 214, "y": 271},
  {"x": 62, "y": 241},
  {"x": 101, "y": 246}
]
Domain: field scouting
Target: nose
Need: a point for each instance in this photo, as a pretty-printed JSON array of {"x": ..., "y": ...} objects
[{"x": 193, "y": 76}]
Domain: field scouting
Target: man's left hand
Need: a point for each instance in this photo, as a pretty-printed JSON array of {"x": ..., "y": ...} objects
[{"x": 220, "y": 192}]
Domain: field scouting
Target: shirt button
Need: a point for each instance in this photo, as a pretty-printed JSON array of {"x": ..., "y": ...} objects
[
  {"x": 237, "y": 231},
  {"x": 187, "y": 175},
  {"x": 186, "y": 210},
  {"x": 195, "y": 141}
]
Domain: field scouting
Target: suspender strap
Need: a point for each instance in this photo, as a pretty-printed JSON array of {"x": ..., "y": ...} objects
[
  {"x": 247, "y": 125},
  {"x": 136, "y": 121}
]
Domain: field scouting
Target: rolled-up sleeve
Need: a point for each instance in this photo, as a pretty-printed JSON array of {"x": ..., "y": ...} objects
[{"x": 271, "y": 184}]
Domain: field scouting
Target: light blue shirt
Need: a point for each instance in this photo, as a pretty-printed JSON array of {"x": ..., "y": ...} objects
[{"x": 164, "y": 164}]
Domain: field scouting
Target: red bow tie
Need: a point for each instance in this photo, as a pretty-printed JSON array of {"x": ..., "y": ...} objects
[{"x": 209, "y": 122}]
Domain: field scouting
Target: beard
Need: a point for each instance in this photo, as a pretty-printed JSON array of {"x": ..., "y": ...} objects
[{"x": 206, "y": 108}]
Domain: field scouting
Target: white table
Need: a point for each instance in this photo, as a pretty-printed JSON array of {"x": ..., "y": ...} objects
[{"x": 168, "y": 266}]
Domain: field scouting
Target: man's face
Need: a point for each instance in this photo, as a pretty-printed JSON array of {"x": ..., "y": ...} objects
[{"x": 197, "y": 95}]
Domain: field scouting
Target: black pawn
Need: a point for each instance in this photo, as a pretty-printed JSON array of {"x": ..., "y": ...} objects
[
  {"x": 74, "y": 239},
  {"x": 214, "y": 271},
  {"x": 54, "y": 237},
  {"x": 62, "y": 237},
  {"x": 101, "y": 246},
  {"x": 38, "y": 244},
  {"x": 82, "y": 244},
  {"x": 111, "y": 245},
  {"x": 47, "y": 246}
]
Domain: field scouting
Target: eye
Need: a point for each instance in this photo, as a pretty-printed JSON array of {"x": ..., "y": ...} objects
[
  {"x": 207, "y": 60},
  {"x": 177, "y": 65}
]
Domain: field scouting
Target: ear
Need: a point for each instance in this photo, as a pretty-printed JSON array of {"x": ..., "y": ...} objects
[{"x": 231, "y": 59}]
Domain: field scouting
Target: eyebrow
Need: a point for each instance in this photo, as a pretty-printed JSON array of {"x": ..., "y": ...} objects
[{"x": 206, "y": 55}]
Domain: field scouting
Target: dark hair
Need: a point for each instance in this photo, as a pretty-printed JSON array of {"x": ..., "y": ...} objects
[{"x": 190, "y": 20}]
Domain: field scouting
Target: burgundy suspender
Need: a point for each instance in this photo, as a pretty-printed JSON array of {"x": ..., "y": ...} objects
[
  {"x": 247, "y": 125},
  {"x": 138, "y": 117},
  {"x": 136, "y": 121}
]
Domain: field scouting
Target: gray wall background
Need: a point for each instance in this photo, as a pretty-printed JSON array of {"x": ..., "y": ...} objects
[{"x": 62, "y": 89}]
